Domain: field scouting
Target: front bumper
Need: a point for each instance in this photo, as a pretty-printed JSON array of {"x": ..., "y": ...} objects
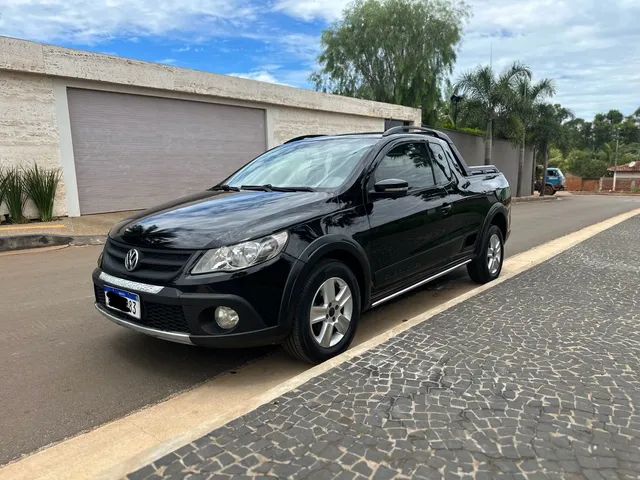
[{"x": 187, "y": 317}]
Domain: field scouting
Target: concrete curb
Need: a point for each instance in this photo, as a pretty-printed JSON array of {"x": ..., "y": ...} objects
[
  {"x": 29, "y": 242},
  {"x": 534, "y": 198}
]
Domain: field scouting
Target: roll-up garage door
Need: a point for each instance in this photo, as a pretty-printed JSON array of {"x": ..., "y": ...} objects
[{"x": 135, "y": 151}]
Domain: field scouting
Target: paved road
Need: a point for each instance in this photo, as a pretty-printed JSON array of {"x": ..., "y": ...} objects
[
  {"x": 64, "y": 369},
  {"x": 498, "y": 387}
]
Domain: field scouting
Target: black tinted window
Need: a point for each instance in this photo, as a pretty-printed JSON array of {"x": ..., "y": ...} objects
[
  {"x": 441, "y": 166},
  {"x": 453, "y": 161},
  {"x": 408, "y": 162}
]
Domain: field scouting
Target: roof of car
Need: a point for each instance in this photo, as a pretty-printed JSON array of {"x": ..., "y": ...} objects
[{"x": 408, "y": 130}]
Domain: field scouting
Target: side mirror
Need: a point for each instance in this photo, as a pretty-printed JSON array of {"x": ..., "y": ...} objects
[{"x": 391, "y": 187}]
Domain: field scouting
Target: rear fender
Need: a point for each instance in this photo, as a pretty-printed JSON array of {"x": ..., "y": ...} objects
[{"x": 496, "y": 209}]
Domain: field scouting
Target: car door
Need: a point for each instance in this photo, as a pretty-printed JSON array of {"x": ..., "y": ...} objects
[
  {"x": 465, "y": 208},
  {"x": 405, "y": 230}
]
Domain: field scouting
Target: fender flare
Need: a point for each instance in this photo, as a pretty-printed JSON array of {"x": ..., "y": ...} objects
[
  {"x": 495, "y": 209},
  {"x": 316, "y": 251}
]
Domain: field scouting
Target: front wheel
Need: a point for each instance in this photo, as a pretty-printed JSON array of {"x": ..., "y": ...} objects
[
  {"x": 488, "y": 264},
  {"x": 327, "y": 313}
]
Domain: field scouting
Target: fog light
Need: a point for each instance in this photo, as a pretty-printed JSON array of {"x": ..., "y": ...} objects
[{"x": 226, "y": 317}]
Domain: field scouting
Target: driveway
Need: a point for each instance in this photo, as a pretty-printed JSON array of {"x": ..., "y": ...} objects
[
  {"x": 64, "y": 369},
  {"x": 534, "y": 378}
]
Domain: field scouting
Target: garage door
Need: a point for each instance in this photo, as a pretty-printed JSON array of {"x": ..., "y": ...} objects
[{"x": 134, "y": 151}]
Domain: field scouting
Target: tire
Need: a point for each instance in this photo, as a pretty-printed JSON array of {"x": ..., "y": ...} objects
[
  {"x": 318, "y": 341},
  {"x": 481, "y": 269},
  {"x": 548, "y": 190}
]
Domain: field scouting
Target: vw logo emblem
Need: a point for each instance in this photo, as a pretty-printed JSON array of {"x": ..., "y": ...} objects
[{"x": 131, "y": 259}]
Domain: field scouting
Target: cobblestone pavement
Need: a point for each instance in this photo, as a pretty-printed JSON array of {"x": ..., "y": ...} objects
[{"x": 538, "y": 377}]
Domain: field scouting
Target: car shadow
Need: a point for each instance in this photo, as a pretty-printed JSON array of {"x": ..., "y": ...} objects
[{"x": 178, "y": 362}]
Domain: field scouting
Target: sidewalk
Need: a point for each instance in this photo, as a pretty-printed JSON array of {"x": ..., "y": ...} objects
[
  {"x": 87, "y": 225},
  {"x": 535, "y": 378}
]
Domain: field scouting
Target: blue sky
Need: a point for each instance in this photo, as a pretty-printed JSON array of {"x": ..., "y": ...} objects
[{"x": 590, "y": 48}]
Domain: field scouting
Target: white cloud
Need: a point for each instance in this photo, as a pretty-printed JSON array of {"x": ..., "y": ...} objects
[
  {"x": 589, "y": 48},
  {"x": 277, "y": 74},
  {"x": 167, "y": 61},
  {"x": 259, "y": 75},
  {"x": 328, "y": 10},
  {"x": 91, "y": 21}
]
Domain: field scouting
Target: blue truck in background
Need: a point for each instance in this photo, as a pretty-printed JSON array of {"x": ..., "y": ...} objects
[{"x": 555, "y": 181}]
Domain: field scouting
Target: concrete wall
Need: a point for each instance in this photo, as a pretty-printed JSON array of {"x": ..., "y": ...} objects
[
  {"x": 34, "y": 117},
  {"x": 28, "y": 128},
  {"x": 505, "y": 156}
]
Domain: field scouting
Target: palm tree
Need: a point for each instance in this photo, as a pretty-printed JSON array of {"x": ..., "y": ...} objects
[
  {"x": 489, "y": 95},
  {"x": 547, "y": 129},
  {"x": 526, "y": 95}
]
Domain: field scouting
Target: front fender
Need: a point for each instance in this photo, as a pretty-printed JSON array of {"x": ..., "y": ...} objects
[{"x": 333, "y": 245}]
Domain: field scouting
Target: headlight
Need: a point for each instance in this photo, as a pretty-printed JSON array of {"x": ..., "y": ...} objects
[{"x": 242, "y": 255}]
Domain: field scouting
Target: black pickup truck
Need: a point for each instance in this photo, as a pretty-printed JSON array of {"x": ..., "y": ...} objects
[{"x": 295, "y": 245}]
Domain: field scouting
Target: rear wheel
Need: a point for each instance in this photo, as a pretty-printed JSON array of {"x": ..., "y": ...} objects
[
  {"x": 488, "y": 264},
  {"x": 327, "y": 313}
]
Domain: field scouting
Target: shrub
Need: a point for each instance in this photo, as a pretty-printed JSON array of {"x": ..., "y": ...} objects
[
  {"x": 15, "y": 195},
  {"x": 41, "y": 185},
  {"x": 2, "y": 177}
]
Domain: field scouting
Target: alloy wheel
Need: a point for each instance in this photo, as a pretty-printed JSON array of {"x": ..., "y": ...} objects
[
  {"x": 494, "y": 254},
  {"x": 331, "y": 311}
]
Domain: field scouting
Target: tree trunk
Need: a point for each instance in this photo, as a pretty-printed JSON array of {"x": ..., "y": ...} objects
[
  {"x": 520, "y": 167},
  {"x": 488, "y": 142},
  {"x": 544, "y": 170}
]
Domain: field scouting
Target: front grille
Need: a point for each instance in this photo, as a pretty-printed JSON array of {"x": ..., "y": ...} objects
[
  {"x": 168, "y": 318},
  {"x": 154, "y": 265}
]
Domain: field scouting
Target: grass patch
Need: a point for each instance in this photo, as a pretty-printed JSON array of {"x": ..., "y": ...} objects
[
  {"x": 15, "y": 195},
  {"x": 41, "y": 186}
]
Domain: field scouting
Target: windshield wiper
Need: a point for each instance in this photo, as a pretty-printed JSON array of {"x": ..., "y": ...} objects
[
  {"x": 271, "y": 188},
  {"x": 226, "y": 188}
]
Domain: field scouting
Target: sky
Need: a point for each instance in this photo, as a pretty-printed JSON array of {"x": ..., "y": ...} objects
[{"x": 591, "y": 49}]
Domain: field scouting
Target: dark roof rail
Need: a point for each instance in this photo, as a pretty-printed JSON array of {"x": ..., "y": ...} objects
[
  {"x": 411, "y": 129},
  {"x": 302, "y": 137}
]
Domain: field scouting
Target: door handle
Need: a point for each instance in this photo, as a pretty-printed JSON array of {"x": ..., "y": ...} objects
[{"x": 445, "y": 209}]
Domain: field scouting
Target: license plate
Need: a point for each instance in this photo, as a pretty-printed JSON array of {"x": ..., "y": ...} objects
[{"x": 125, "y": 302}]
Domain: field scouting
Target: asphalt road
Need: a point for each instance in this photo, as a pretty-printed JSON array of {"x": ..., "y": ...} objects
[{"x": 64, "y": 369}]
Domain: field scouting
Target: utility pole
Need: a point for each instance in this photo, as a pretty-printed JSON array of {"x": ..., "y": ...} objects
[{"x": 615, "y": 164}]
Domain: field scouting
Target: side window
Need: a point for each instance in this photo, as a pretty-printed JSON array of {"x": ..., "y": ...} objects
[
  {"x": 453, "y": 161},
  {"x": 441, "y": 166},
  {"x": 409, "y": 162},
  {"x": 551, "y": 173}
]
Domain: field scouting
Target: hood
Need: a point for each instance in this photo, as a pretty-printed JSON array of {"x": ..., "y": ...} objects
[{"x": 216, "y": 218}]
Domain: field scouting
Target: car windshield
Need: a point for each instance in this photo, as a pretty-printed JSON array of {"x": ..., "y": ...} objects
[{"x": 318, "y": 164}]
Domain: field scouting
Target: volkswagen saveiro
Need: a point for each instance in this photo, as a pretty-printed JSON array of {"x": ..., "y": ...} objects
[{"x": 295, "y": 245}]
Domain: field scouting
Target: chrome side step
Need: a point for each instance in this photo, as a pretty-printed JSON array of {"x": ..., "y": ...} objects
[{"x": 416, "y": 285}]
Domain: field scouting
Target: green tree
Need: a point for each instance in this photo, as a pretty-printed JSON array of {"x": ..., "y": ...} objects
[
  {"x": 489, "y": 95},
  {"x": 629, "y": 130},
  {"x": 396, "y": 51},
  {"x": 584, "y": 164},
  {"x": 525, "y": 96},
  {"x": 547, "y": 130}
]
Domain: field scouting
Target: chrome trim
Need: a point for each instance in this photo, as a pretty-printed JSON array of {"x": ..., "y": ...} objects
[
  {"x": 421, "y": 282},
  {"x": 171, "y": 336},
  {"x": 131, "y": 285}
]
